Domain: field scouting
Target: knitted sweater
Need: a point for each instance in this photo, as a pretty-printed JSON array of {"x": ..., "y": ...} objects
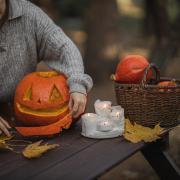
[{"x": 29, "y": 36}]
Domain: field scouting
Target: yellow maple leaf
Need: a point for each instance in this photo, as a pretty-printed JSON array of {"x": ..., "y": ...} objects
[
  {"x": 35, "y": 150},
  {"x": 132, "y": 137},
  {"x": 136, "y": 133},
  {"x": 5, "y": 138},
  {"x": 158, "y": 128},
  {"x": 3, "y": 144},
  {"x": 128, "y": 126}
]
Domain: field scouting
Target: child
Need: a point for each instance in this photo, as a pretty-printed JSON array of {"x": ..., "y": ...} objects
[{"x": 27, "y": 36}]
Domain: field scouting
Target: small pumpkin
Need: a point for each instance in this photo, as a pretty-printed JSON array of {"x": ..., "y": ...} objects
[
  {"x": 131, "y": 69},
  {"x": 166, "y": 84},
  {"x": 41, "y": 99}
]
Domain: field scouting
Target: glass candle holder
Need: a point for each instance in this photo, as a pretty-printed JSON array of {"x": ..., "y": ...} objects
[
  {"x": 117, "y": 115},
  {"x": 102, "y": 108},
  {"x": 104, "y": 124},
  {"x": 89, "y": 121}
]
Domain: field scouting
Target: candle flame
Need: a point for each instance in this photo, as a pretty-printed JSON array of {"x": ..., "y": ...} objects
[
  {"x": 105, "y": 123},
  {"x": 89, "y": 115},
  {"x": 105, "y": 106}
]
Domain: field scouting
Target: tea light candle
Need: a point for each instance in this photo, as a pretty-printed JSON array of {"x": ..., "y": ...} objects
[
  {"x": 89, "y": 121},
  {"x": 89, "y": 117},
  {"x": 102, "y": 108},
  {"x": 117, "y": 115},
  {"x": 116, "y": 109},
  {"x": 104, "y": 125}
]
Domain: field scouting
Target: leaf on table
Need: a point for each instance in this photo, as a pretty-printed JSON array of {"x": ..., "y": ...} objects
[
  {"x": 5, "y": 138},
  {"x": 136, "y": 133},
  {"x": 3, "y": 144},
  {"x": 131, "y": 137},
  {"x": 35, "y": 150},
  {"x": 128, "y": 125}
]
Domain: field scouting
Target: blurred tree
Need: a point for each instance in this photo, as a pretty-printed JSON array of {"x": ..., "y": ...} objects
[
  {"x": 166, "y": 32},
  {"x": 102, "y": 47},
  {"x": 72, "y": 8},
  {"x": 157, "y": 20}
]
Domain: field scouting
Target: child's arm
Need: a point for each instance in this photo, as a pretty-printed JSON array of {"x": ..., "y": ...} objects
[{"x": 61, "y": 54}]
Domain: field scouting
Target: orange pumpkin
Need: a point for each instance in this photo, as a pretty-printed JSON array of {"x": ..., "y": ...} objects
[
  {"x": 41, "y": 99},
  {"x": 165, "y": 84},
  {"x": 131, "y": 69}
]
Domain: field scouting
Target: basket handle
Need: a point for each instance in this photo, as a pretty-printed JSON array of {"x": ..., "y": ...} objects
[{"x": 151, "y": 66}]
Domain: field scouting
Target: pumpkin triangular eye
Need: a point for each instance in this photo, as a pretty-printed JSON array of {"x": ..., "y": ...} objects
[
  {"x": 28, "y": 94},
  {"x": 55, "y": 94}
]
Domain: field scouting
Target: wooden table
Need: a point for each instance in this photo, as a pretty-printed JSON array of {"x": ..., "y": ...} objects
[{"x": 80, "y": 158}]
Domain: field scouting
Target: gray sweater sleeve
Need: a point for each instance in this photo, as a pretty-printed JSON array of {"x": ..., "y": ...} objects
[{"x": 60, "y": 53}]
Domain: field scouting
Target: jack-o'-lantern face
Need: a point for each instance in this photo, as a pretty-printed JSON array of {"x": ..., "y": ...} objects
[{"x": 41, "y": 98}]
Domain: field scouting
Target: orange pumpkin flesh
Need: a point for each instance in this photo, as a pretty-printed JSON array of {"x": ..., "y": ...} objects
[
  {"x": 41, "y": 99},
  {"x": 165, "y": 84},
  {"x": 131, "y": 69},
  {"x": 46, "y": 130},
  {"x": 31, "y": 117}
]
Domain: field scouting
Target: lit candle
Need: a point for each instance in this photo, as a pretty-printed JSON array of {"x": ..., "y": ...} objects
[
  {"x": 104, "y": 125},
  {"x": 117, "y": 109},
  {"x": 117, "y": 115},
  {"x": 89, "y": 121},
  {"x": 102, "y": 108},
  {"x": 89, "y": 116}
]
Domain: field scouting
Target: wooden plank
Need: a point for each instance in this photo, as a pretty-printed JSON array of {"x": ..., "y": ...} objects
[
  {"x": 65, "y": 137},
  {"x": 20, "y": 168},
  {"x": 92, "y": 161}
]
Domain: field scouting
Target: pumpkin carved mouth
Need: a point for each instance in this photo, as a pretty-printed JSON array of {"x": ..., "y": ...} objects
[{"x": 43, "y": 112}]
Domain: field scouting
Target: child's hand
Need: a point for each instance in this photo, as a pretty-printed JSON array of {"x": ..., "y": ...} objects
[
  {"x": 77, "y": 104},
  {"x": 4, "y": 126}
]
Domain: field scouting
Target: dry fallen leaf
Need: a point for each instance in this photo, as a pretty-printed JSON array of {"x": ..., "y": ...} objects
[
  {"x": 5, "y": 138},
  {"x": 35, "y": 150},
  {"x": 3, "y": 144},
  {"x": 136, "y": 133},
  {"x": 131, "y": 137}
]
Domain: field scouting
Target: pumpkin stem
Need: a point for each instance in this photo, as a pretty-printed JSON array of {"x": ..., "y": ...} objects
[{"x": 113, "y": 77}]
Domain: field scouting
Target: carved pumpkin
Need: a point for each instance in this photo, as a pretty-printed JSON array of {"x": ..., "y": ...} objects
[
  {"x": 131, "y": 69},
  {"x": 41, "y": 100}
]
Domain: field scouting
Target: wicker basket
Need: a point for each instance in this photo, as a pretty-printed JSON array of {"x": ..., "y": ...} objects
[{"x": 151, "y": 104}]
